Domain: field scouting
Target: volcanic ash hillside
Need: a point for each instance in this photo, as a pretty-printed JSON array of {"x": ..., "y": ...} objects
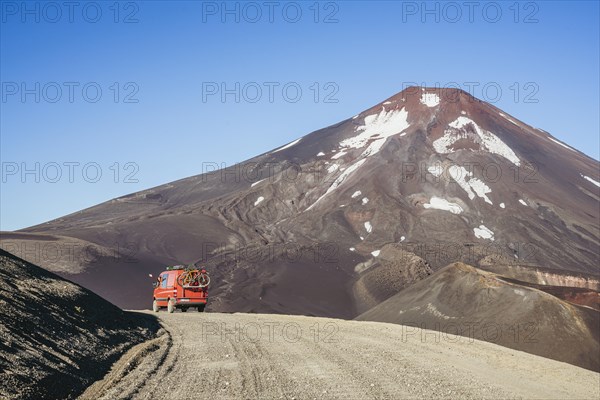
[{"x": 436, "y": 172}]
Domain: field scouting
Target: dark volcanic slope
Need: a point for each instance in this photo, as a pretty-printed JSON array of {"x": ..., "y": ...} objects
[
  {"x": 438, "y": 173},
  {"x": 460, "y": 299},
  {"x": 56, "y": 337}
]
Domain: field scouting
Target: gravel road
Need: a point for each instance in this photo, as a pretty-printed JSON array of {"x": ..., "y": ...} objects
[{"x": 231, "y": 356}]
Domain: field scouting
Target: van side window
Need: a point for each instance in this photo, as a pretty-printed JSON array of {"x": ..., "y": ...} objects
[
  {"x": 171, "y": 280},
  {"x": 163, "y": 281}
]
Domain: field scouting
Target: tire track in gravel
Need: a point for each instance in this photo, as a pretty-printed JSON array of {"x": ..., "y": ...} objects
[
  {"x": 165, "y": 364},
  {"x": 212, "y": 356}
]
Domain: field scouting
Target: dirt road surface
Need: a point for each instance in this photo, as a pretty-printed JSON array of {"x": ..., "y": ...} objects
[{"x": 258, "y": 356}]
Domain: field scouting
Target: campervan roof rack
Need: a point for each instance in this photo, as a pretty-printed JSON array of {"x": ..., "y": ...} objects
[{"x": 175, "y": 267}]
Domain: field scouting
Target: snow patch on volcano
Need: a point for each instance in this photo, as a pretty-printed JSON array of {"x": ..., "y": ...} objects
[
  {"x": 332, "y": 168},
  {"x": 368, "y": 226},
  {"x": 481, "y": 189},
  {"x": 356, "y": 194},
  {"x": 436, "y": 170},
  {"x": 473, "y": 186},
  {"x": 522, "y": 202},
  {"x": 562, "y": 144},
  {"x": 460, "y": 175},
  {"x": 378, "y": 127},
  {"x": 590, "y": 179},
  {"x": 430, "y": 99},
  {"x": 375, "y": 253},
  {"x": 287, "y": 146},
  {"x": 339, "y": 180},
  {"x": 376, "y": 130},
  {"x": 434, "y": 311},
  {"x": 483, "y": 233},
  {"x": 365, "y": 200},
  {"x": 439, "y": 203},
  {"x": 338, "y": 155},
  {"x": 259, "y": 200},
  {"x": 320, "y": 154},
  {"x": 487, "y": 141},
  {"x": 509, "y": 119}
]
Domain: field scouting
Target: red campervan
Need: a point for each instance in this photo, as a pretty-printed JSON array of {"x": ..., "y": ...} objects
[{"x": 180, "y": 287}]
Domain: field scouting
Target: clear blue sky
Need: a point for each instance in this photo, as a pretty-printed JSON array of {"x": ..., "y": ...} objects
[{"x": 176, "y": 48}]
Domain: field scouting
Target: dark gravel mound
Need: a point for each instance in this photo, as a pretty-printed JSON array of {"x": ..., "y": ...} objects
[
  {"x": 460, "y": 299},
  {"x": 57, "y": 337}
]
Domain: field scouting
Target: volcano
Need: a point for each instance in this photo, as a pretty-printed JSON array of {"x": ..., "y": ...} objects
[{"x": 344, "y": 218}]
